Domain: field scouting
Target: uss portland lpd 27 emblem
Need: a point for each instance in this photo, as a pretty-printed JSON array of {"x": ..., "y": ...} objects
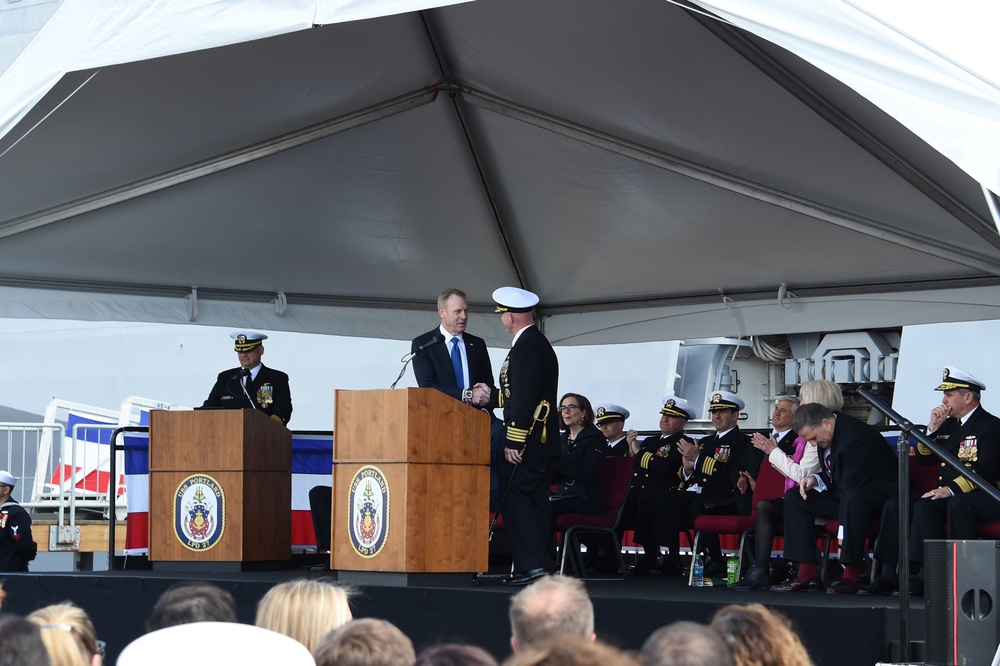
[
  {"x": 199, "y": 512},
  {"x": 369, "y": 511}
]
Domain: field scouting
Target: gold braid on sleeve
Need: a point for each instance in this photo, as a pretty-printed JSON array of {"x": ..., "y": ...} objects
[{"x": 541, "y": 416}]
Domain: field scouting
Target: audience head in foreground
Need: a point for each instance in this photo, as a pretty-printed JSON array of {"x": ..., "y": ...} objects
[
  {"x": 757, "y": 636},
  {"x": 551, "y": 607},
  {"x": 685, "y": 644},
  {"x": 454, "y": 654},
  {"x": 214, "y": 643},
  {"x": 571, "y": 652},
  {"x": 69, "y": 635},
  {"x": 365, "y": 642},
  {"x": 21, "y": 643},
  {"x": 304, "y": 609},
  {"x": 192, "y": 601}
]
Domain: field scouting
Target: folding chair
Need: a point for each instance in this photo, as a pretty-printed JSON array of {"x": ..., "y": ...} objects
[
  {"x": 615, "y": 478},
  {"x": 770, "y": 485}
]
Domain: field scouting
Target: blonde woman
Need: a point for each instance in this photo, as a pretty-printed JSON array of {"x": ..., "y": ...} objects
[
  {"x": 305, "y": 609},
  {"x": 68, "y": 635}
]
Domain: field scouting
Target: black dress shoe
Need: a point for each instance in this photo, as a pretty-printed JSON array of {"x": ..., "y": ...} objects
[
  {"x": 843, "y": 587},
  {"x": 809, "y": 585},
  {"x": 525, "y": 577},
  {"x": 881, "y": 586},
  {"x": 756, "y": 579}
]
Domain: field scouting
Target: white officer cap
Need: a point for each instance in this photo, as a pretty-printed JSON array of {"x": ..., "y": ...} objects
[
  {"x": 513, "y": 299},
  {"x": 611, "y": 412},
  {"x": 7, "y": 479},
  {"x": 215, "y": 643},
  {"x": 247, "y": 340},
  {"x": 674, "y": 406},
  {"x": 954, "y": 378},
  {"x": 725, "y": 400}
]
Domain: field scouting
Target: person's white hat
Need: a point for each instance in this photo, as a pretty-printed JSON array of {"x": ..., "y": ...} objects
[
  {"x": 7, "y": 479},
  {"x": 609, "y": 411},
  {"x": 215, "y": 643},
  {"x": 513, "y": 299},
  {"x": 953, "y": 378},
  {"x": 247, "y": 340},
  {"x": 674, "y": 406},
  {"x": 725, "y": 400}
]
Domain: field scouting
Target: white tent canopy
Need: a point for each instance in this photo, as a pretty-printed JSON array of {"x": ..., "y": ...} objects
[{"x": 651, "y": 172}]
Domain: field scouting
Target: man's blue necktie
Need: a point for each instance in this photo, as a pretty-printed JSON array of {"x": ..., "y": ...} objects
[{"x": 456, "y": 362}]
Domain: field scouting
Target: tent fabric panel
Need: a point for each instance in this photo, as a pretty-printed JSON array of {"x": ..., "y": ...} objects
[
  {"x": 946, "y": 103},
  {"x": 175, "y": 111}
]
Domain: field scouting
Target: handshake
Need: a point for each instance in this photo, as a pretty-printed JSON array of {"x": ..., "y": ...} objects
[{"x": 478, "y": 395}]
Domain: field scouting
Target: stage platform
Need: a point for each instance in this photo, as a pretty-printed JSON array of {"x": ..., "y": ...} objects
[{"x": 836, "y": 629}]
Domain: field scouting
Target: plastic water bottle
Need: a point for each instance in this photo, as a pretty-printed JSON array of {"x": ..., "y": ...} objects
[{"x": 697, "y": 571}]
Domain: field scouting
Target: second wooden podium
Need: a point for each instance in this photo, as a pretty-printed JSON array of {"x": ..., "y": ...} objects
[{"x": 411, "y": 483}]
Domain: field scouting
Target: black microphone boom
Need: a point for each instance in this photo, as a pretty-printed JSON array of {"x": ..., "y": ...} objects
[
  {"x": 409, "y": 357},
  {"x": 430, "y": 343}
]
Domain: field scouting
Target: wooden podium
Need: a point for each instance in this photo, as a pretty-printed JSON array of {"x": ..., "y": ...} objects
[
  {"x": 220, "y": 486},
  {"x": 411, "y": 485}
]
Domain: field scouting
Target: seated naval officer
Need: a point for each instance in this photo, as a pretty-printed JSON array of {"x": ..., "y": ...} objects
[
  {"x": 611, "y": 420},
  {"x": 252, "y": 385},
  {"x": 955, "y": 507}
]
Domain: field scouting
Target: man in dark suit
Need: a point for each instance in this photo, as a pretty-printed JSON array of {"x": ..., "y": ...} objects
[
  {"x": 529, "y": 381},
  {"x": 459, "y": 364},
  {"x": 857, "y": 476},
  {"x": 708, "y": 476},
  {"x": 611, "y": 420},
  {"x": 252, "y": 385}
]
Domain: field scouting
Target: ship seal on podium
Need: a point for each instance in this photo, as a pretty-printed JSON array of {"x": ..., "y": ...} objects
[
  {"x": 199, "y": 512},
  {"x": 369, "y": 511}
]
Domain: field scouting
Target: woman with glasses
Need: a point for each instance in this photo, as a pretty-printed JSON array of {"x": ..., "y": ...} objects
[
  {"x": 583, "y": 448},
  {"x": 68, "y": 635}
]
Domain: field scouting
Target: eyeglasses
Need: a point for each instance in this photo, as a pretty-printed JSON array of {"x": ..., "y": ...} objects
[{"x": 568, "y": 408}]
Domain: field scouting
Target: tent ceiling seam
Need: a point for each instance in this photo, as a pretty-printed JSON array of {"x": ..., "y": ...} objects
[
  {"x": 710, "y": 176},
  {"x": 219, "y": 163},
  {"x": 506, "y": 234}
]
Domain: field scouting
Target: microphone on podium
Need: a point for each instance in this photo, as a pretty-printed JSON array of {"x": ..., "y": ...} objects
[{"x": 409, "y": 357}]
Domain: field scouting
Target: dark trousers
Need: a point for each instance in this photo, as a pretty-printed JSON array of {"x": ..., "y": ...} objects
[
  {"x": 527, "y": 513},
  {"x": 660, "y": 515},
  {"x": 962, "y": 514},
  {"x": 966, "y": 511},
  {"x": 887, "y": 544},
  {"x": 855, "y": 509}
]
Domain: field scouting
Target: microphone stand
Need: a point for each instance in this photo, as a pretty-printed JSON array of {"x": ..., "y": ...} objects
[
  {"x": 246, "y": 373},
  {"x": 405, "y": 361}
]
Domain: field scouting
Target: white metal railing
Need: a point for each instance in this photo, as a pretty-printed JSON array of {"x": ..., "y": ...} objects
[
  {"x": 23, "y": 443},
  {"x": 63, "y": 464}
]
